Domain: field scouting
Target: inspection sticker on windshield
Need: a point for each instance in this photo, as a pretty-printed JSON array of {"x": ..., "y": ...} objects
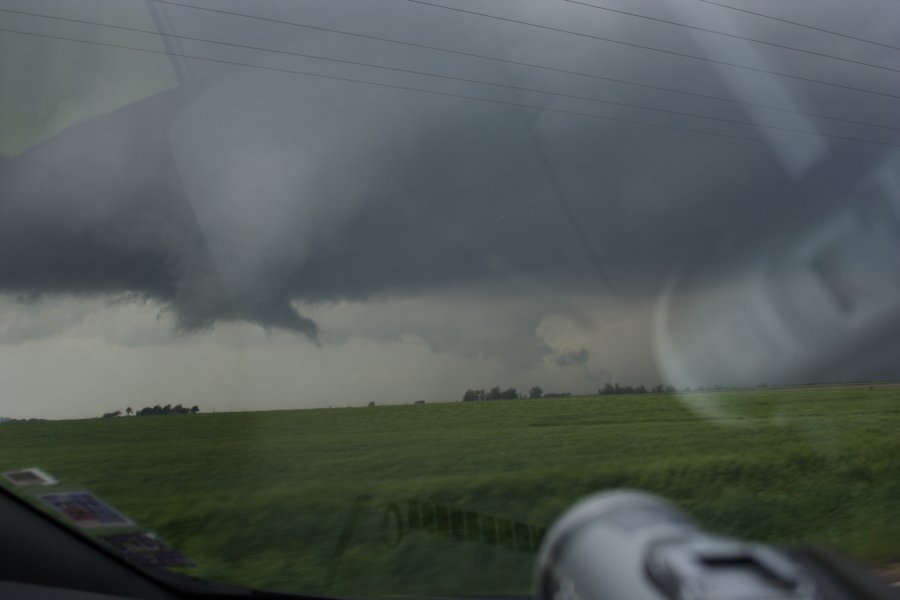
[
  {"x": 24, "y": 477},
  {"x": 86, "y": 510},
  {"x": 147, "y": 550}
]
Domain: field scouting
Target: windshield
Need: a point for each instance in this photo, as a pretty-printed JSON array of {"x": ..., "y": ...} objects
[{"x": 355, "y": 297}]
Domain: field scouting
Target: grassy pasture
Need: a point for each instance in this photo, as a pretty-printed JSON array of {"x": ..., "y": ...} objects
[{"x": 452, "y": 498}]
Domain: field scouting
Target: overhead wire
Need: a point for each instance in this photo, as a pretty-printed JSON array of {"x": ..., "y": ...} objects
[
  {"x": 733, "y": 35},
  {"x": 455, "y": 78},
  {"x": 804, "y": 25},
  {"x": 562, "y": 199},
  {"x": 435, "y": 92},
  {"x": 660, "y": 50},
  {"x": 527, "y": 65}
]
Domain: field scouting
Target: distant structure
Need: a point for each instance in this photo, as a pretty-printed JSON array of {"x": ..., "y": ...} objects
[
  {"x": 371, "y": 403},
  {"x": 419, "y": 402},
  {"x": 4, "y": 419}
]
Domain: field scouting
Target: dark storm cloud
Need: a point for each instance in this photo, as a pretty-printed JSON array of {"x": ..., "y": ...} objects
[
  {"x": 230, "y": 198},
  {"x": 99, "y": 210},
  {"x": 573, "y": 358}
]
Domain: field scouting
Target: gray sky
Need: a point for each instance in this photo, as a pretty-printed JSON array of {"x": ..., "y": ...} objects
[{"x": 260, "y": 239}]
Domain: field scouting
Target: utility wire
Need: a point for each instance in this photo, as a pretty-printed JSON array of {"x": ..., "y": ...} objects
[
  {"x": 456, "y": 78},
  {"x": 661, "y": 50},
  {"x": 735, "y": 36},
  {"x": 430, "y": 92},
  {"x": 804, "y": 25},
  {"x": 562, "y": 199},
  {"x": 528, "y": 65}
]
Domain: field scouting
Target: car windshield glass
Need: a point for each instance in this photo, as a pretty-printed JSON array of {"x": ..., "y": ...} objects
[{"x": 355, "y": 297}]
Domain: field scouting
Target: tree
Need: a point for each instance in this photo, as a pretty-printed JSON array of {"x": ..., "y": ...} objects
[
  {"x": 494, "y": 394},
  {"x": 535, "y": 392},
  {"x": 129, "y": 411},
  {"x": 195, "y": 409},
  {"x": 608, "y": 389},
  {"x": 509, "y": 394},
  {"x": 474, "y": 396},
  {"x": 640, "y": 389}
]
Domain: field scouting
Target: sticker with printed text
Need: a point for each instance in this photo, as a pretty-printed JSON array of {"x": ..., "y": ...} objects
[
  {"x": 147, "y": 550},
  {"x": 86, "y": 510},
  {"x": 33, "y": 476}
]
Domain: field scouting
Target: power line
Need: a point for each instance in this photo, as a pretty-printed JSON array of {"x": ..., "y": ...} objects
[
  {"x": 562, "y": 199},
  {"x": 456, "y": 78},
  {"x": 804, "y": 25},
  {"x": 530, "y": 65},
  {"x": 735, "y": 36},
  {"x": 432, "y": 92},
  {"x": 661, "y": 50}
]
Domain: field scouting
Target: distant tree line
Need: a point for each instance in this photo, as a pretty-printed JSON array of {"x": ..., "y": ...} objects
[
  {"x": 495, "y": 393},
  {"x": 168, "y": 409},
  {"x": 615, "y": 388},
  {"x": 608, "y": 389},
  {"x": 611, "y": 389}
]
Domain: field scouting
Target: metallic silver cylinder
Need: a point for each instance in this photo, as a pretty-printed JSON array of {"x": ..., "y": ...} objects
[{"x": 631, "y": 545}]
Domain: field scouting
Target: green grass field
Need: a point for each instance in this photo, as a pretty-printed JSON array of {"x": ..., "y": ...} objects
[{"x": 320, "y": 500}]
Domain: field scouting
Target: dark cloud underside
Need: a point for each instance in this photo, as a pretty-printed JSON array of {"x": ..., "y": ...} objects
[{"x": 233, "y": 197}]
